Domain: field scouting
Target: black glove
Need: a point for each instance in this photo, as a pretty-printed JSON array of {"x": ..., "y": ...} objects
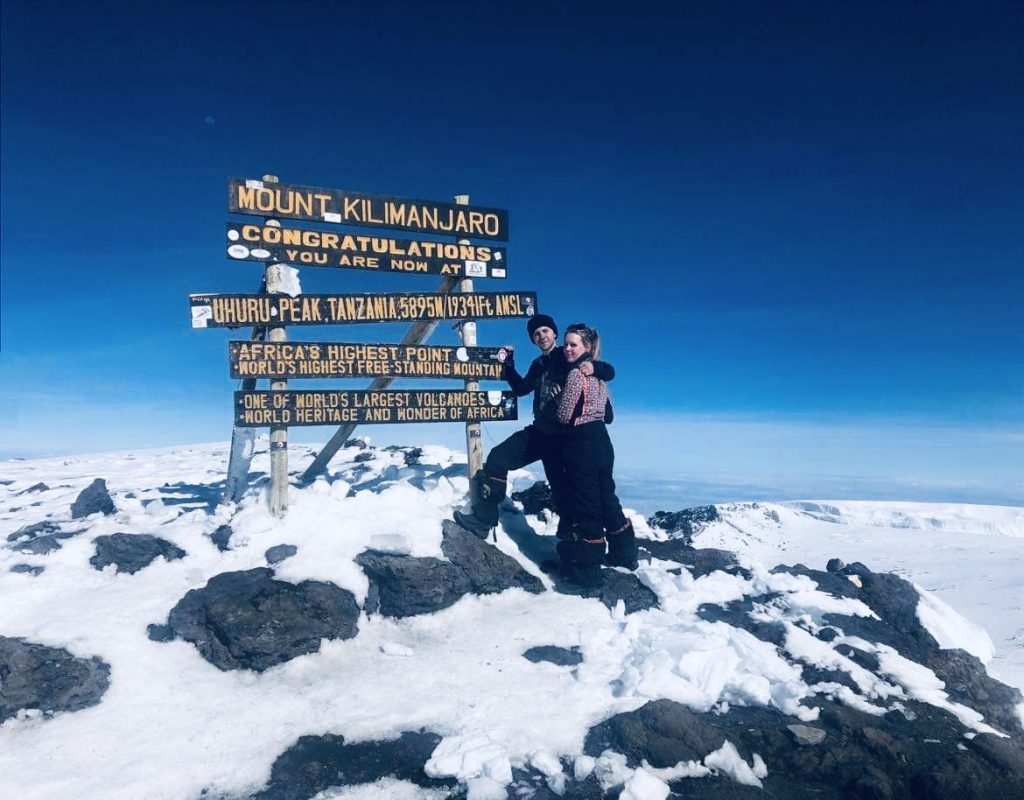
[{"x": 508, "y": 366}]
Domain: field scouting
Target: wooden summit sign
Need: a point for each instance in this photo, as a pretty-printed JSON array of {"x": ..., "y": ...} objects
[
  {"x": 329, "y": 407},
  {"x": 254, "y": 359},
  {"x": 365, "y": 210},
  {"x": 234, "y": 310},
  {"x": 251, "y": 242}
]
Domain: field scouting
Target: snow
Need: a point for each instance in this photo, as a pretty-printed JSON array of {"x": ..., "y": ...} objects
[
  {"x": 171, "y": 725},
  {"x": 969, "y": 557}
]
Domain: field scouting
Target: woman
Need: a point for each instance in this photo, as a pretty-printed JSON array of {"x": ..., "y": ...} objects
[{"x": 589, "y": 458}]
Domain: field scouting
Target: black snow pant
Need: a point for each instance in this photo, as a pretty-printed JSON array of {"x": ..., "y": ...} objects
[
  {"x": 589, "y": 487},
  {"x": 519, "y": 450}
]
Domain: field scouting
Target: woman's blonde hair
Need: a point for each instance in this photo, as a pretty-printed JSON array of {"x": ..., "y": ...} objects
[{"x": 591, "y": 338}]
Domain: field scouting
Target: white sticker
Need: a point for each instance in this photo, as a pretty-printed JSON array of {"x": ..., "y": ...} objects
[
  {"x": 462, "y": 354},
  {"x": 201, "y": 315},
  {"x": 261, "y": 253},
  {"x": 476, "y": 269},
  {"x": 331, "y": 216},
  {"x": 497, "y": 272},
  {"x": 233, "y": 235},
  {"x": 502, "y": 355},
  {"x": 254, "y": 184},
  {"x": 497, "y": 256},
  {"x": 273, "y": 223},
  {"x": 238, "y": 251},
  {"x": 494, "y": 397}
]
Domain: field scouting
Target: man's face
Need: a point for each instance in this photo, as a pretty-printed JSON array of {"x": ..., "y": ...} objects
[{"x": 544, "y": 338}]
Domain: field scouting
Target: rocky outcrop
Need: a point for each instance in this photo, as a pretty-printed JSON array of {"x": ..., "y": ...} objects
[
  {"x": 47, "y": 679},
  {"x": 684, "y": 524},
  {"x": 843, "y": 754},
  {"x": 93, "y": 499},
  {"x": 39, "y": 538},
  {"x": 130, "y": 552},
  {"x": 404, "y": 586},
  {"x": 560, "y": 656},
  {"x": 536, "y": 500},
  {"x": 249, "y": 620},
  {"x": 316, "y": 763}
]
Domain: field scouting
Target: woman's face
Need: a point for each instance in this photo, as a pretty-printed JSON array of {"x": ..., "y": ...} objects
[{"x": 574, "y": 347}]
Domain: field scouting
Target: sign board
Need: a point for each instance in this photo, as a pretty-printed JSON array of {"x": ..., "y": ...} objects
[
  {"x": 254, "y": 359},
  {"x": 365, "y": 210},
  {"x": 251, "y": 242},
  {"x": 329, "y": 407},
  {"x": 237, "y": 310}
]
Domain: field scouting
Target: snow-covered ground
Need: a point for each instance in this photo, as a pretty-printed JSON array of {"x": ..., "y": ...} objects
[
  {"x": 172, "y": 725},
  {"x": 971, "y": 557}
]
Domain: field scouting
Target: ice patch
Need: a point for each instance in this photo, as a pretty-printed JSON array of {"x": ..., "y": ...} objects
[{"x": 727, "y": 759}]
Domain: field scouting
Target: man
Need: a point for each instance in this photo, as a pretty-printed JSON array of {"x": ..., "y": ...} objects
[{"x": 541, "y": 441}]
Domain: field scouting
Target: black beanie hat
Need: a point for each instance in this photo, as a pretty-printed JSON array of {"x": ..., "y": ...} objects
[{"x": 540, "y": 321}]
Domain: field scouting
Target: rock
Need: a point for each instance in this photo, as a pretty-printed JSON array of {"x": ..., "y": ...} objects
[
  {"x": 34, "y": 531},
  {"x": 806, "y": 735},
  {"x": 560, "y": 656},
  {"x": 316, "y": 763},
  {"x": 865, "y": 756},
  {"x": 35, "y": 487},
  {"x": 684, "y": 523},
  {"x": 700, "y": 561},
  {"x": 34, "y": 676},
  {"x": 39, "y": 546},
  {"x": 404, "y": 586},
  {"x": 357, "y": 441},
  {"x": 249, "y": 620},
  {"x": 834, "y": 565},
  {"x": 411, "y": 455},
  {"x": 536, "y": 500},
  {"x": 131, "y": 552},
  {"x": 627, "y": 588},
  {"x": 93, "y": 499},
  {"x": 279, "y": 552},
  {"x": 160, "y": 633},
  {"x": 488, "y": 570},
  {"x": 361, "y": 457},
  {"x": 28, "y": 569},
  {"x": 221, "y": 536}
]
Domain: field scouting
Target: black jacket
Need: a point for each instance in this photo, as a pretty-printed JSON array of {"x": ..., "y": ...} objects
[{"x": 545, "y": 376}]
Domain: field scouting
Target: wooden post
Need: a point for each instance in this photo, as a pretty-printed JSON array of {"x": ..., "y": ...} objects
[
  {"x": 467, "y": 331},
  {"x": 243, "y": 440}
]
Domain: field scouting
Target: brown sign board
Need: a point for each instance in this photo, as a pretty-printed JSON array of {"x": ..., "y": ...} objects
[
  {"x": 252, "y": 242},
  {"x": 345, "y": 207},
  {"x": 255, "y": 359},
  {"x": 368, "y": 406},
  {"x": 246, "y": 310}
]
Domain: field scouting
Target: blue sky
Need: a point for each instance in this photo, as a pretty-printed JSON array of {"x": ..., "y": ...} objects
[{"x": 798, "y": 225}]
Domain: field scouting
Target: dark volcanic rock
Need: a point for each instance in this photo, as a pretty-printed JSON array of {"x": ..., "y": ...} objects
[
  {"x": 40, "y": 529},
  {"x": 895, "y": 601},
  {"x": 35, "y": 487},
  {"x": 316, "y": 763},
  {"x": 93, "y": 499},
  {"x": 737, "y": 614},
  {"x": 40, "y": 545},
  {"x": 700, "y": 561},
  {"x": 279, "y": 552},
  {"x": 627, "y": 588},
  {"x": 488, "y": 569},
  {"x": 844, "y": 754},
  {"x": 29, "y": 569},
  {"x": 686, "y": 522},
  {"x": 361, "y": 457},
  {"x": 536, "y": 500},
  {"x": 132, "y": 551},
  {"x": 221, "y": 537},
  {"x": 403, "y": 586},
  {"x": 836, "y": 584},
  {"x": 47, "y": 678},
  {"x": 248, "y": 620},
  {"x": 560, "y": 656}
]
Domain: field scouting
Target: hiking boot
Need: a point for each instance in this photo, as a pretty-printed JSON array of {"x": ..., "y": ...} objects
[
  {"x": 472, "y": 524},
  {"x": 622, "y": 549}
]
